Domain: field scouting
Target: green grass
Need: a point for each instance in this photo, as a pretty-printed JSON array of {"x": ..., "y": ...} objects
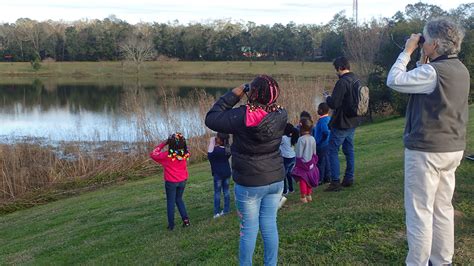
[
  {"x": 113, "y": 72},
  {"x": 126, "y": 224}
]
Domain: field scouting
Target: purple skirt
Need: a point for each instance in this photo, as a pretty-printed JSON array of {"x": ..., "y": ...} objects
[{"x": 308, "y": 171}]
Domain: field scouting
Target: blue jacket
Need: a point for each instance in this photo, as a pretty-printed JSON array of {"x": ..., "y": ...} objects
[
  {"x": 321, "y": 132},
  {"x": 219, "y": 161}
]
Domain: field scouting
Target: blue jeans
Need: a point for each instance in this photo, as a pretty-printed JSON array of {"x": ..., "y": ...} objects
[
  {"x": 174, "y": 195},
  {"x": 288, "y": 163},
  {"x": 323, "y": 164},
  {"x": 221, "y": 184},
  {"x": 344, "y": 137},
  {"x": 257, "y": 208}
]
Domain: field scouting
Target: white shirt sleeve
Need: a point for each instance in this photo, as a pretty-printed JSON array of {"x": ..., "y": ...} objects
[{"x": 421, "y": 80}]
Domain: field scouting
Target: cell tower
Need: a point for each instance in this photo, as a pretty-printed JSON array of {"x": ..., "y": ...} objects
[{"x": 355, "y": 11}]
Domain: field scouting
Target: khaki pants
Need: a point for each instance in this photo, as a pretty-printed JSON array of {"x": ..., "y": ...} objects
[{"x": 429, "y": 188}]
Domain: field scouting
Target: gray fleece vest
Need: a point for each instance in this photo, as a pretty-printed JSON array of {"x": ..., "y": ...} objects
[{"x": 437, "y": 122}]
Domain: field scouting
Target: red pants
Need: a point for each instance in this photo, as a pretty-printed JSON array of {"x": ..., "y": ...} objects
[{"x": 305, "y": 189}]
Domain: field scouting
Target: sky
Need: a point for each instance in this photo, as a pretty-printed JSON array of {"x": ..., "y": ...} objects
[{"x": 191, "y": 11}]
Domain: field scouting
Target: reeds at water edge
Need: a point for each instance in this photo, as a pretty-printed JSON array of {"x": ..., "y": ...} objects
[{"x": 28, "y": 168}]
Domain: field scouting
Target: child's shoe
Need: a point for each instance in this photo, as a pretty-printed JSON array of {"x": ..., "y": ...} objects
[
  {"x": 304, "y": 200},
  {"x": 170, "y": 228},
  {"x": 217, "y": 215},
  {"x": 186, "y": 222},
  {"x": 309, "y": 198}
]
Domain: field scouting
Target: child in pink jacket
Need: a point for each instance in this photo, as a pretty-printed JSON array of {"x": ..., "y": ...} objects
[{"x": 175, "y": 174}]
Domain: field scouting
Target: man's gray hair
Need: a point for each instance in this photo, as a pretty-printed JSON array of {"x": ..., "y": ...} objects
[{"x": 446, "y": 33}]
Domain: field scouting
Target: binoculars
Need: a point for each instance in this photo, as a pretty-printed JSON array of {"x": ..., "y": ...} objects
[
  {"x": 247, "y": 87},
  {"x": 420, "y": 41}
]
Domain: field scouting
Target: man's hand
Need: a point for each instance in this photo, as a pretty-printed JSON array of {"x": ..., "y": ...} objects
[
  {"x": 326, "y": 94},
  {"x": 412, "y": 43}
]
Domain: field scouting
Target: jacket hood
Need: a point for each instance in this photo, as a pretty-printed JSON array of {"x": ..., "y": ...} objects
[{"x": 269, "y": 126}]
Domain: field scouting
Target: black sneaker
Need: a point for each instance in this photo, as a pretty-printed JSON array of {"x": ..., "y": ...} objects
[
  {"x": 333, "y": 186},
  {"x": 170, "y": 228},
  {"x": 186, "y": 222},
  {"x": 347, "y": 183}
]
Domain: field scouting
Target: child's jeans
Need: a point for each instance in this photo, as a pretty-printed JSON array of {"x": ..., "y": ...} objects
[
  {"x": 305, "y": 188},
  {"x": 221, "y": 184},
  {"x": 289, "y": 164},
  {"x": 174, "y": 195},
  {"x": 323, "y": 164}
]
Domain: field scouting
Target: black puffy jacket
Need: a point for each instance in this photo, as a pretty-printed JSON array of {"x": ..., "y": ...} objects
[{"x": 256, "y": 158}]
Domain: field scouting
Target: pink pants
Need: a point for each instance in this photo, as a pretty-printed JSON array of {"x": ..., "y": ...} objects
[{"x": 305, "y": 189}]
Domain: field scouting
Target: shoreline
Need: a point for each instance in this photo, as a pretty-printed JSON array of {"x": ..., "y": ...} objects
[{"x": 170, "y": 69}]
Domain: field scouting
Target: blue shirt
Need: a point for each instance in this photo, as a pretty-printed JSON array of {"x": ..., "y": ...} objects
[
  {"x": 321, "y": 132},
  {"x": 219, "y": 162}
]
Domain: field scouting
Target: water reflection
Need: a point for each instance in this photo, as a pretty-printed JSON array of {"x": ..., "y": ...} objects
[
  {"x": 125, "y": 111},
  {"x": 97, "y": 113}
]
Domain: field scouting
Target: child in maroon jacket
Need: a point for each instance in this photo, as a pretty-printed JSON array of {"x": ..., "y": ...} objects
[{"x": 175, "y": 174}]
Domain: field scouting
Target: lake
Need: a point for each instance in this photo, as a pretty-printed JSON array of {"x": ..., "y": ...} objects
[{"x": 106, "y": 111}]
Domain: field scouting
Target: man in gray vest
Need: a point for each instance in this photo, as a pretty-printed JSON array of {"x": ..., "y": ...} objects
[{"x": 434, "y": 138}]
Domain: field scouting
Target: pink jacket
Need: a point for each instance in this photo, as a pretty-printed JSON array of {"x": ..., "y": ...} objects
[{"x": 174, "y": 171}]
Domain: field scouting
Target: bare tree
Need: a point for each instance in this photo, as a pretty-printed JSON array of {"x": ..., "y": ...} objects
[
  {"x": 33, "y": 31},
  {"x": 137, "y": 49},
  {"x": 363, "y": 44}
]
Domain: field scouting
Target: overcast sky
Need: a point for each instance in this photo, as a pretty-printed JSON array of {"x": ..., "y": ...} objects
[{"x": 185, "y": 11}]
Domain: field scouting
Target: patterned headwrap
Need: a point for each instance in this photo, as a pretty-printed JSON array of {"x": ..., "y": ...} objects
[
  {"x": 177, "y": 148},
  {"x": 265, "y": 92}
]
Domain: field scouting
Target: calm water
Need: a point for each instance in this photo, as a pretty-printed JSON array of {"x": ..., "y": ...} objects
[
  {"x": 101, "y": 112},
  {"x": 96, "y": 112}
]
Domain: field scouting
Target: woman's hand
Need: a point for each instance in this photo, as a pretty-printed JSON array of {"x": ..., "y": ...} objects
[{"x": 239, "y": 91}]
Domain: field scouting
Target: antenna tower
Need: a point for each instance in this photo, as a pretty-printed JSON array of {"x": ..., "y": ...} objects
[{"x": 355, "y": 11}]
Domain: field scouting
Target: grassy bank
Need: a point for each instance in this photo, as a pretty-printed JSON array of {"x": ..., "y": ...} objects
[
  {"x": 126, "y": 224},
  {"x": 160, "y": 69}
]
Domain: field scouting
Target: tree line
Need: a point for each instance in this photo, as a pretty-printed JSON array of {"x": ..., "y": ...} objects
[{"x": 94, "y": 40}]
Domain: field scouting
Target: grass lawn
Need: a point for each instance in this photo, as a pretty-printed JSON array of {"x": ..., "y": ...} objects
[
  {"x": 162, "y": 74},
  {"x": 126, "y": 224},
  {"x": 222, "y": 69}
]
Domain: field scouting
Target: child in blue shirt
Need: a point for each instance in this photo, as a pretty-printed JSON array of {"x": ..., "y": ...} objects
[
  {"x": 321, "y": 133},
  {"x": 218, "y": 154}
]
